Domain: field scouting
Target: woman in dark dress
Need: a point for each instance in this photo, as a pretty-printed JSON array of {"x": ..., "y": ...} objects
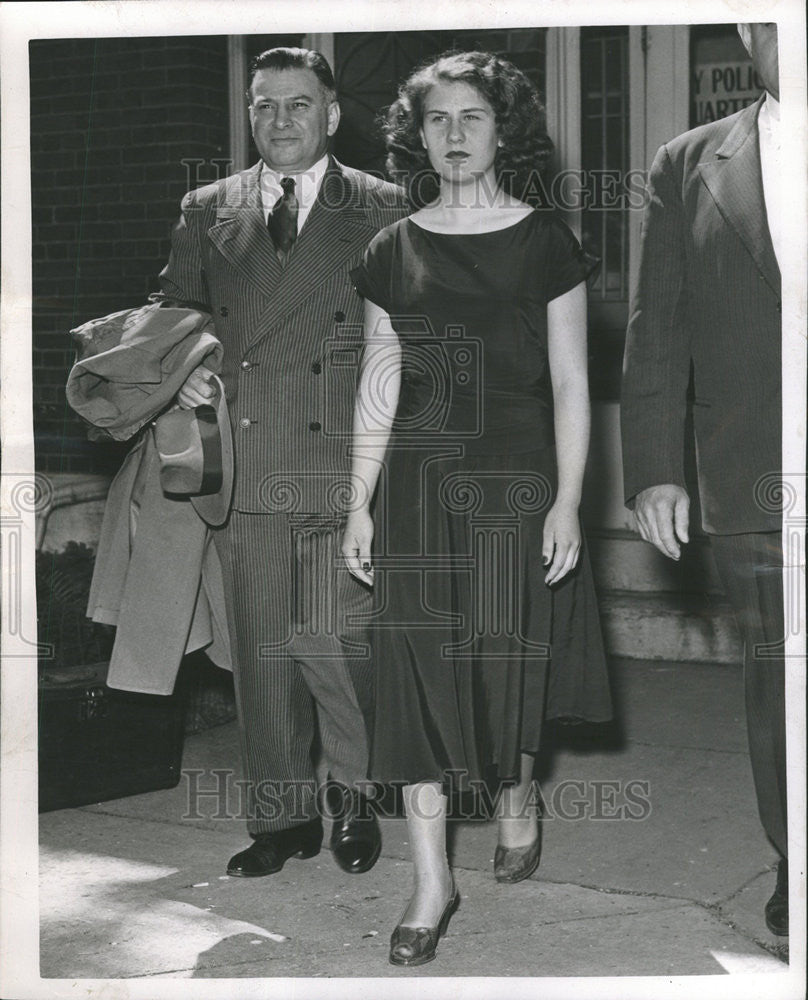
[{"x": 472, "y": 420}]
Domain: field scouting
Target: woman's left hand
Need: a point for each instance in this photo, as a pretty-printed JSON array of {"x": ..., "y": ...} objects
[{"x": 561, "y": 543}]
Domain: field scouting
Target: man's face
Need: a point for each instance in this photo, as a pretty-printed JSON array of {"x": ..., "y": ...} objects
[
  {"x": 291, "y": 118},
  {"x": 760, "y": 41}
]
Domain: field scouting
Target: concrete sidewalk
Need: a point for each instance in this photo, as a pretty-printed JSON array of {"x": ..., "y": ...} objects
[{"x": 136, "y": 888}]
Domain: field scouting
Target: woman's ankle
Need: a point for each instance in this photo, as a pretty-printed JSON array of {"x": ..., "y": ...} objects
[
  {"x": 517, "y": 831},
  {"x": 425, "y": 909}
]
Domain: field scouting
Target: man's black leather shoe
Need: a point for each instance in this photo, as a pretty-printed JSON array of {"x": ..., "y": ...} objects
[
  {"x": 356, "y": 840},
  {"x": 777, "y": 907},
  {"x": 270, "y": 851}
]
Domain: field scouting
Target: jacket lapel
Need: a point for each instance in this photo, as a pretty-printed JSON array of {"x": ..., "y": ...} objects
[
  {"x": 240, "y": 233},
  {"x": 335, "y": 229},
  {"x": 733, "y": 178}
]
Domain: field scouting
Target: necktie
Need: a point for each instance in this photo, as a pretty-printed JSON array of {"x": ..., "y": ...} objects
[{"x": 283, "y": 217}]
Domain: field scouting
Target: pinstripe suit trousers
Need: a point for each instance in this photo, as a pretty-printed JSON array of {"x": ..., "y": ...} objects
[{"x": 300, "y": 662}]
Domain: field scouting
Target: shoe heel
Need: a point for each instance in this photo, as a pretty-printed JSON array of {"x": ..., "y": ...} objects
[
  {"x": 448, "y": 913},
  {"x": 311, "y": 845}
]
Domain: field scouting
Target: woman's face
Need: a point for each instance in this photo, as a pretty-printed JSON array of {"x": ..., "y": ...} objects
[{"x": 459, "y": 132}]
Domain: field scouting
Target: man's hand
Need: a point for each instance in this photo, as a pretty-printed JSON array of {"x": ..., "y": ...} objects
[
  {"x": 196, "y": 389},
  {"x": 663, "y": 514}
]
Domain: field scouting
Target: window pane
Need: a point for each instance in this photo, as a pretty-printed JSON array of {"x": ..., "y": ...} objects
[{"x": 604, "y": 155}]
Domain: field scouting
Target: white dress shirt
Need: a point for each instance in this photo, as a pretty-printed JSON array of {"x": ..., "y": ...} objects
[
  {"x": 769, "y": 137},
  {"x": 307, "y": 187}
]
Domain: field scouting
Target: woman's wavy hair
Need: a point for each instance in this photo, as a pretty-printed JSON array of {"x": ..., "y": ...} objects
[{"x": 519, "y": 115}]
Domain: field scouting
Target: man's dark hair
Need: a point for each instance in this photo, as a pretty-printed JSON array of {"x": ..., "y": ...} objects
[{"x": 292, "y": 58}]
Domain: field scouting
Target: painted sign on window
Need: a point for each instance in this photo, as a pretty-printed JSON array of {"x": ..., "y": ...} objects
[{"x": 722, "y": 88}]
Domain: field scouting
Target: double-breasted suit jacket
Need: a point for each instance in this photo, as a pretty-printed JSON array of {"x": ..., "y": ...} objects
[
  {"x": 292, "y": 333},
  {"x": 708, "y": 293}
]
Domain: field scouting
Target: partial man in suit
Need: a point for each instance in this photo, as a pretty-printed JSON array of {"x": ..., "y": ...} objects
[
  {"x": 708, "y": 297},
  {"x": 268, "y": 252}
]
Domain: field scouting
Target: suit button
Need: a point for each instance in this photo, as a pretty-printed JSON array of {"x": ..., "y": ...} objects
[
  {"x": 779, "y": 307},
  {"x": 316, "y": 368},
  {"x": 315, "y": 425},
  {"x": 247, "y": 366},
  {"x": 339, "y": 316},
  {"x": 223, "y": 311},
  {"x": 245, "y": 422}
]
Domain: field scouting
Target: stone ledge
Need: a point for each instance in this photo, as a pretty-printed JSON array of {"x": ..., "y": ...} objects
[
  {"x": 676, "y": 626},
  {"x": 72, "y": 510},
  {"x": 621, "y": 560}
]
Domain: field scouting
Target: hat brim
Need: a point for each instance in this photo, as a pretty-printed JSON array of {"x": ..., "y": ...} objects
[{"x": 213, "y": 508}]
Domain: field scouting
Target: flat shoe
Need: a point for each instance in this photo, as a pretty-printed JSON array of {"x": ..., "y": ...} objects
[
  {"x": 513, "y": 864},
  {"x": 418, "y": 945}
]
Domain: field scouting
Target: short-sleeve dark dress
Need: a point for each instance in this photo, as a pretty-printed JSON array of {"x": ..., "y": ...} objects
[{"x": 472, "y": 650}]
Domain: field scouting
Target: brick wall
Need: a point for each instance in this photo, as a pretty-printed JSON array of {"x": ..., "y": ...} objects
[{"x": 112, "y": 120}]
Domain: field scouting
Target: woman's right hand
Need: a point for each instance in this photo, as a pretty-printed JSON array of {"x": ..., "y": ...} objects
[{"x": 356, "y": 543}]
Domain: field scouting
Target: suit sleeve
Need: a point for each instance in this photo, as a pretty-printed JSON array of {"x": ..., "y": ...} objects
[
  {"x": 183, "y": 277},
  {"x": 656, "y": 366}
]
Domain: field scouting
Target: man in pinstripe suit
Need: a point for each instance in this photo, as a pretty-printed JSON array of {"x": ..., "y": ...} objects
[
  {"x": 708, "y": 294},
  {"x": 269, "y": 251}
]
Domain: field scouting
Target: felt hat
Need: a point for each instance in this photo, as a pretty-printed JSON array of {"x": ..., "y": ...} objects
[{"x": 196, "y": 455}]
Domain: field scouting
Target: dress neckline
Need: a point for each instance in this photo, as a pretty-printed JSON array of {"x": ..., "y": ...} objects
[{"x": 481, "y": 232}]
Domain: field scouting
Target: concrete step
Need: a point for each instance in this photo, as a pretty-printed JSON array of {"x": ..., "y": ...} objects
[
  {"x": 670, "y": 626},
  {"x": 657, "y": 608},
  {"x": 621, "y": 560}
]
